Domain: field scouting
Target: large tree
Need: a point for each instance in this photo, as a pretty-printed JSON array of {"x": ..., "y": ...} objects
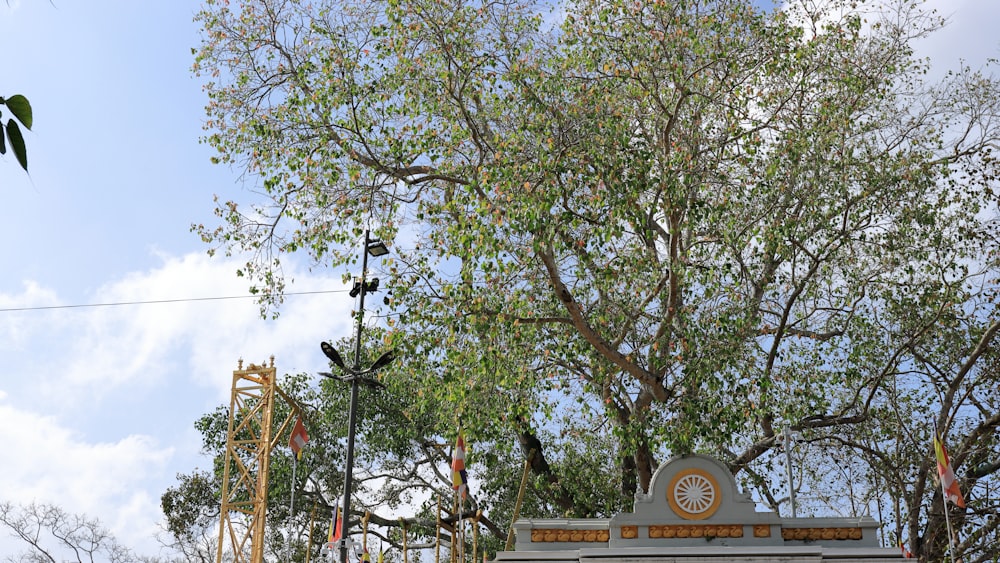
[{"x": 675, "y": 225}]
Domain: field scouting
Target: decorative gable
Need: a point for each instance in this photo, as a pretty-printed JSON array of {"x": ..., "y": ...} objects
[{"x": 694, "y": 502}]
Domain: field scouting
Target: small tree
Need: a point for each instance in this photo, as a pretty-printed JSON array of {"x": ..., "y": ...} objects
[{"x": 53, "y": 534}]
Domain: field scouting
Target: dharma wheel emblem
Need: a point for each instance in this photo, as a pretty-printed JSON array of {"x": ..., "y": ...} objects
[{"x": 693, "y": 494}]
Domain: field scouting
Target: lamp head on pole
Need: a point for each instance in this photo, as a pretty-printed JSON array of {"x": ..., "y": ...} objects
[
  {"x": 377, "y": 248},
  {"x": 383, "y": 360},
  {"x": 334, "y": 356}
]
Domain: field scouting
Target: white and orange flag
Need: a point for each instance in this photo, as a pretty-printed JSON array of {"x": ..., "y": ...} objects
[
  {"x": 459, "y": 479},
  {"x": 335, "y": 528},
  {"x": 299, "y": 438},
  {"x": 949, "y": 484}
]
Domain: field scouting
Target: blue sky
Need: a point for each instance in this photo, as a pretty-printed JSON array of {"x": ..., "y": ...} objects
[{"x": 97, "y": 405}]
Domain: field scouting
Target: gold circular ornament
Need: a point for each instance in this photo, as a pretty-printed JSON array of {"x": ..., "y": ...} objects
[{"x": 694, "y": 494}]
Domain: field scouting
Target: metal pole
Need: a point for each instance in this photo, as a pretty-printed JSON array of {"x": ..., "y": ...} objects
[
  {"x": 520, "y": 497},
  {"x": 352, "y": 416},
  {"x": 291, "y": 511},
  {"x": 787, "y": 435}
]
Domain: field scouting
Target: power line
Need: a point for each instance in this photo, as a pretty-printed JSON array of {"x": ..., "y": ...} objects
[{"x": 160, "y": 301}]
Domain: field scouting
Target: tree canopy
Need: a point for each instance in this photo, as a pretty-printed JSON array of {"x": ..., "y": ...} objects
[{"x": 627, "y": 230}]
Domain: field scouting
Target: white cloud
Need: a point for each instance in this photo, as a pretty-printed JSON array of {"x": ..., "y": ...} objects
[
  {"x": 100, "y": 350},
  {"x": 15, "y": 325},
  {"x": 99, "y": 403},
  {"x": 51, "y": 462}
]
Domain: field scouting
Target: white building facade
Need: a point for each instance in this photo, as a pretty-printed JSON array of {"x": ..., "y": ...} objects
[{"x": 694, "y": 513}]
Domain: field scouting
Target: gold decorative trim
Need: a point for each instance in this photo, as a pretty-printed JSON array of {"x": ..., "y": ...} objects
[
  {"x": 696, "y": 531},
  {"x": 694, "y": 494},
  {"x": 815, "y": 534},
  {"x": 762, "y": 531},
  {"x": 630, "y": 532},
  {"x": 555, "y": 535}
]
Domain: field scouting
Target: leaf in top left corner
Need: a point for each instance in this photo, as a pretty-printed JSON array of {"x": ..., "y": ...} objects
[{"x": 21, "y": 109}]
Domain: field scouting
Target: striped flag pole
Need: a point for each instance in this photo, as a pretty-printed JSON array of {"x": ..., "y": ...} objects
[
  {"x": 460, "y": 482},
  {"x": 459, "y": 478},
  {"x": 333, "y": 536},
  {"x": 949, "y": 487},
  {"x": 296, "y": 442}
]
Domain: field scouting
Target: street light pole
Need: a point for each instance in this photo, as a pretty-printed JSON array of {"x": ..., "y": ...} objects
[
  {"x": 348, "y": 474},
  {"x": 357, "y": 375},
  {"x": 352, "y": 416}
]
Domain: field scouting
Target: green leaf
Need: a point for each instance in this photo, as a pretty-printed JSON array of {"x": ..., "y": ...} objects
[
  {"x": 17, "y": 143},
  {"x": 21, "y": 109}
]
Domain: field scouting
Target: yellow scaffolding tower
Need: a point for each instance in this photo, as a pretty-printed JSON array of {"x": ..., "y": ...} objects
[{"x": 249, "y": 442}]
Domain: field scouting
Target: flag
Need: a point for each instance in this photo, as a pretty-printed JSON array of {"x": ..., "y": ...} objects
[
  {"x": 949, "y": 485},
  {"x": 459, "y": 480},
  {"x": 334, "y": 536},
  {"x": 299, "y": 438},
  {"x": 906, "y": 552}
]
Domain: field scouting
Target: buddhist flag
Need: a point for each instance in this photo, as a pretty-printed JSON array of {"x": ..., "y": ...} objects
[
  {"x": 459, "y": 480},
  {"x": 299, "y": 438},
  {"x": 334, "y": 536},
  {"x": 949, "y": 485}
]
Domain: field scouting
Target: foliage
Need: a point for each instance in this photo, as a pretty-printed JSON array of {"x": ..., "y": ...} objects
[
  {"x": 398, "y": 464},
  {"x": 20, "y": 108},
  {"x": 680, "y": 224},
  {"x": 192, "y": 515}
]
